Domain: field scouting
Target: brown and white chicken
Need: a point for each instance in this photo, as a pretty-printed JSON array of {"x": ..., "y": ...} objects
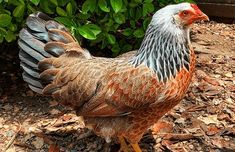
[{"x": 121, "y": 96}]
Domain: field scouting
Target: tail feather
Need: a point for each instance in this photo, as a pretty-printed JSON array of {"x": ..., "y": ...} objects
[
  {"x": 30, "y": 51},
  {"x": 27, "y": 59},
  {"x": 33, "y": 43},
  {"x": 36, "y": 24},
  {"x": 40, "y": 40},
  {"x": 35, "y": 89},
  {"x": 50, "y": 25},
  {"x": 29, "y": 70},
  {"x": 32, "y": 80},
  {"x": 60, "y": 36},
  {"x": 55, "y": 48}
]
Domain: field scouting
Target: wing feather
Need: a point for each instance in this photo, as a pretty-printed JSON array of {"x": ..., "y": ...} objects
[{"x": 100, "y": 87}]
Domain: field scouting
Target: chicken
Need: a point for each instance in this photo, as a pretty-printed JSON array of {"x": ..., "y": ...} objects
[{"x": 117, "y": 97}]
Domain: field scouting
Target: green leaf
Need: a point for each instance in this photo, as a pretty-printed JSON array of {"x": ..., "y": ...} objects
[
  {"x": 83, "y": 17},
  {"x": 138, "y": 13},
  {"x": 116, "y": 5},
  {"x": 103, "y": 5},
  {"x": 12, "y": 27},
  {"x": 62, "y": 3},
  {"x": 132, "y": 12},
  {"x": 69, "y": 9},
  {"x": 111, "y": 38},
  {"x": 119, "y": 18},
  {"x": 127, "y": 32},
  {"x": 35, "y": 2},
  {"x": 60, "y": 11},
  {"x": 148, "y": 1},
  {"x": 146, "y": 22},
  {"x": 54, "y": 2},
  {"x": 147, "y": 8},
  {"x": 74, "y": 5},
  {"x": 139, "y": 33},
  {"x": 13, "y": 2},
  {"x": 46, "y": 6},
  {"x": 65, "y": 21},
  {"x": 5, "y": 20},
  {"x": 30, "y": 8},
  {"x": 88, "y": 5},
  {"x": 19, "y": 11},
  {"x": 3, "y": 32},
  {"x": 138, "y": 1},
  {"x": 104, "y": 43},
  {"x": 4, "y": 11},
  {"x": 115, "y": 49},
  {"x": 93, "y": 5},
  {"x": 86, "y": 32},
  {"x": 133, "y": 4},
  {"x": 21, "y": 1},
  {"x": 127, "y": 47},
  {"x": 116, "y": 26},
  {"x": 109, "y": 23},
  {"x": 1, "y": 38},
  {"x": 132, "y": 22},
  {"x": 94, "y": 28},
  {"x": 10, "y": 36}
]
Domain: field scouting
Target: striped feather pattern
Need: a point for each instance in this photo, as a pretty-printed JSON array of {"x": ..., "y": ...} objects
[{"x": 42, "y": 38}]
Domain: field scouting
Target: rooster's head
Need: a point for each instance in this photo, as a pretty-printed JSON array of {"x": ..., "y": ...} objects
[{"x": 183, "y": 14}]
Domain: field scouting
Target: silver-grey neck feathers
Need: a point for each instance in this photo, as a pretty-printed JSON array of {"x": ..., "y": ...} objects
[{"x": 165, "y": 48}]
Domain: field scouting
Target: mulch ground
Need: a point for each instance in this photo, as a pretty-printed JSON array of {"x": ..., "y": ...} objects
[{"x": 203, "y": 121}]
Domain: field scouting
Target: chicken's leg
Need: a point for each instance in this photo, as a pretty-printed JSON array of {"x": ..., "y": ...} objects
[
  {"x": 123, "y": 144},
  {"x": 136, "y": 147}
]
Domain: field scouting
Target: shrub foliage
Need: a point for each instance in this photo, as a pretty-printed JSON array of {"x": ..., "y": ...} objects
[{"x": 117, "y": 25}]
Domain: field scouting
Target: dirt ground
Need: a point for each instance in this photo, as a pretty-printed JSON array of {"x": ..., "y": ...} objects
[{"x": 203, "y": 122}]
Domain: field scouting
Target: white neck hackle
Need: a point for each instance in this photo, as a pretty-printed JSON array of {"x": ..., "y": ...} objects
[{"x": 165, "y": 47}]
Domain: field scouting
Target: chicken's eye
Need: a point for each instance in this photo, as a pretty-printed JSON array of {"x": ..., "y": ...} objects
[{"x": 185, "y": 13}]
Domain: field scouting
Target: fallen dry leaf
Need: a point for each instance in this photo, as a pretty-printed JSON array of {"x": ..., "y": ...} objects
[
  {"x": 211, "y": 81},
  {"x": 54, "y": 148},
  {"x": 55, "y": 111},
  {"x": 223, "y": 144},
  {"x": 66, "y": 117},
  {"x": 180, "y": 120},
  {"x": 229, "y": 74},
  {"x": 212, "y": 130},
  {"x": 211, "y": 119},
  {"x": 11, "y": 149},
  {"x": 38, "y": 143}
]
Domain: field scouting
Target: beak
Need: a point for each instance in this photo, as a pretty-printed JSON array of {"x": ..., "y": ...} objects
[{"x": 202, "y": 17}]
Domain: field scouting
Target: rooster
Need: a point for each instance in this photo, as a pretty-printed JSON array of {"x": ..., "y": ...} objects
[{"x": 117, "y": 97}]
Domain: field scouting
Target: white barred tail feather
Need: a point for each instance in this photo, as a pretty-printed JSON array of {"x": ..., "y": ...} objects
[{"x": 43, "y": 38}]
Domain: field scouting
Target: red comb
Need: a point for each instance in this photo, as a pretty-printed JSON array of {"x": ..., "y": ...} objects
[{"x": 197, "y": 10}]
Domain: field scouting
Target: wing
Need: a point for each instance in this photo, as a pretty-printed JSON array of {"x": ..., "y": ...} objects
[
  {"x": 99, "y": 86},
  {"x": 122, "y": 91}
]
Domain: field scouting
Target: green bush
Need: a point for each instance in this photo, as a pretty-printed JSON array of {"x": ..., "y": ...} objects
[{"x": 116, "y": 25}]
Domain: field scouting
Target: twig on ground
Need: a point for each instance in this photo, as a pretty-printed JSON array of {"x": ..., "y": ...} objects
[
  {"x": 196, "y": 108},
  {"x": 23, "y": 145},
  {"x": 85, "y": 135},
  {"x": 179, "y": 137},
  {"x": 13, "y": 138}
]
